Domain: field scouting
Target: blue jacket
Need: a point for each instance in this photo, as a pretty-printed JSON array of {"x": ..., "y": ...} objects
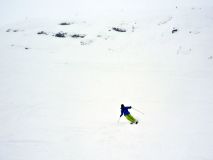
[{"x": 124, "y": 110}]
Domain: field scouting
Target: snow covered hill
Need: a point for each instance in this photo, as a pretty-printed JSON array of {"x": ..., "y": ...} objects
[{"x": 60, "y": 96}]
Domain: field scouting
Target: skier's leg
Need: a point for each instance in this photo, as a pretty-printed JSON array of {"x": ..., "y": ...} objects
[
  {"x": 130, "y": 118},
  {"x": 133, "y": 119}
]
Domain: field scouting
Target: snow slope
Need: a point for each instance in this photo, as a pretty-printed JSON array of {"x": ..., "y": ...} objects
[{"x": 60, "y": 97}]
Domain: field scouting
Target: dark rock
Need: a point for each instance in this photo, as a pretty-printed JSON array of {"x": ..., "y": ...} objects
[
  {"x": 12, "y": 30},
  {"x": 60, "y": 35},
  {"x": 64, "y": 23},
  {"x": 78, "y": 35},
  {"x": 119, "y": 29},
  {"x": 174, "y": 30},
  {"x": 42, "y": 32},
  {"x": 8, "y": 30}
]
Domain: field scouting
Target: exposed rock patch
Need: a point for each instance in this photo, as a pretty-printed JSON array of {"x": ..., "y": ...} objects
[
  {"x": 118, "y": 29},
  {"x": 61, "y": 34},
  {"x": 78, "y": 35},
  {"x": 65, "y": 23},
  {"x": 174, "y": 30},
  {"x": 12, "y": 30},
  {"x": 42, "y": 32}
]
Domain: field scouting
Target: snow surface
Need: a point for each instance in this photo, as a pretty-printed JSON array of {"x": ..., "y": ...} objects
[{"x": 60, "y": 97}]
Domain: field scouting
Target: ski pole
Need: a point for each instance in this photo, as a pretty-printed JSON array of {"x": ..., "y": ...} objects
[
  {"x": 138, "y": 110},
  {"x": 119, "y": 120}
]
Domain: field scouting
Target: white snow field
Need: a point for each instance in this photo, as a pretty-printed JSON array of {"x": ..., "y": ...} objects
[{"x": 60, "y": 97}]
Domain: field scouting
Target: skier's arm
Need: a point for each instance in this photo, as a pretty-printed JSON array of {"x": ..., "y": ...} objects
[
  {"x": 129, "y": 107},
  {"x": 121, "y": 114}
]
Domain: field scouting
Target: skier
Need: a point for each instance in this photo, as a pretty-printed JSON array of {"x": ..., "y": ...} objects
[{"x": 126, "y": 113}]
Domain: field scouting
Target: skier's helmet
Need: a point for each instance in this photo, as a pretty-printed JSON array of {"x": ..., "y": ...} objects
[{"x": 122, "y": 106}]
